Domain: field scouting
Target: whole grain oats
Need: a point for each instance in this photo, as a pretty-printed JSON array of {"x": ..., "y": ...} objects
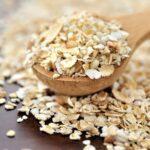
[
  {"x": 79, "y": 45},
  {"x": 11, "y": 133},
  {"x": 122, "y": 112}
]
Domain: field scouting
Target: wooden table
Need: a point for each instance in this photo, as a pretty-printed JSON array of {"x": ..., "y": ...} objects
[{"x": 28, "y": 136}]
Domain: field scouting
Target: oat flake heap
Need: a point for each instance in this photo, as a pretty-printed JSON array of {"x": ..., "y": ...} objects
[{"x": 81, "y": 44}]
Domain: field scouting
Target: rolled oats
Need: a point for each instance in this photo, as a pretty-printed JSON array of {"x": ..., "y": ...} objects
[
  {"x": 11, "y": 133},
  {"x": 120, "y": 96},
  {"x": 106, "y": 70},
  {"x": 76, "y": 135},
  {"x": 2, "y": 101},
  {"x": 10, "y": 106},
  {"x": 19, "y": 120},
  {"x": 13, "y": 95},
  {"x": 15, "y": 100},
  {"x": 93, "y": 73},
  {"x": 83, "y": 39},
  {"x": 122, "y": 111},
  {"x": 86, "y": 142}
]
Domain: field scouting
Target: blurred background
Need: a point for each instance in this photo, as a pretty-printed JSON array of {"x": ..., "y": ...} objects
[{"x": 57, "y": 7}]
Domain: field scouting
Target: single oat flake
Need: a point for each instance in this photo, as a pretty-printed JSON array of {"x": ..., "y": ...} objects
[
  {"x": 11, "y": 133},
  {"x": 2, "y": 101}
]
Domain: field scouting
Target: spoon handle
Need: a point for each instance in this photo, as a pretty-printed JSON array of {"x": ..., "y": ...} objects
[{"x": 138, "y": 25}]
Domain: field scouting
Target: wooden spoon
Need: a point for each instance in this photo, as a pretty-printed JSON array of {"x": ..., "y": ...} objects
[{"x": 138, "y": 25}]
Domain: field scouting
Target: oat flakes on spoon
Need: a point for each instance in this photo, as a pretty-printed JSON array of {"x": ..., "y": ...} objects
[{"x": 82, "y": 53}]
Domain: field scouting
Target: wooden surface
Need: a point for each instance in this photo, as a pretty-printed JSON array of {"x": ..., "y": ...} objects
[{"x": 28, "y": 136}]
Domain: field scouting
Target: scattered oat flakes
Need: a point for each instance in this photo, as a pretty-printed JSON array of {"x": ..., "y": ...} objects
[
  {"x": 124, "y": 119},
  {"x": 24, "y": 109},
  {"x": 21, "y": 119},
  {"x": 10, "y": 106},
  {"x": 15, "y": 100}
]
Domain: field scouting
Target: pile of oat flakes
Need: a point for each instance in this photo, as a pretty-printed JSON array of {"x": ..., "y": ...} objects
[
  {"x": 80, "y": 44},
  {"x": 122, "y": 112}
]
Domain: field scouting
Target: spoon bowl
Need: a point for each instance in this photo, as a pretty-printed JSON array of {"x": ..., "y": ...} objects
[
  {"x": 138, "y": 29},
  {"x": 78, "y": 86}
]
